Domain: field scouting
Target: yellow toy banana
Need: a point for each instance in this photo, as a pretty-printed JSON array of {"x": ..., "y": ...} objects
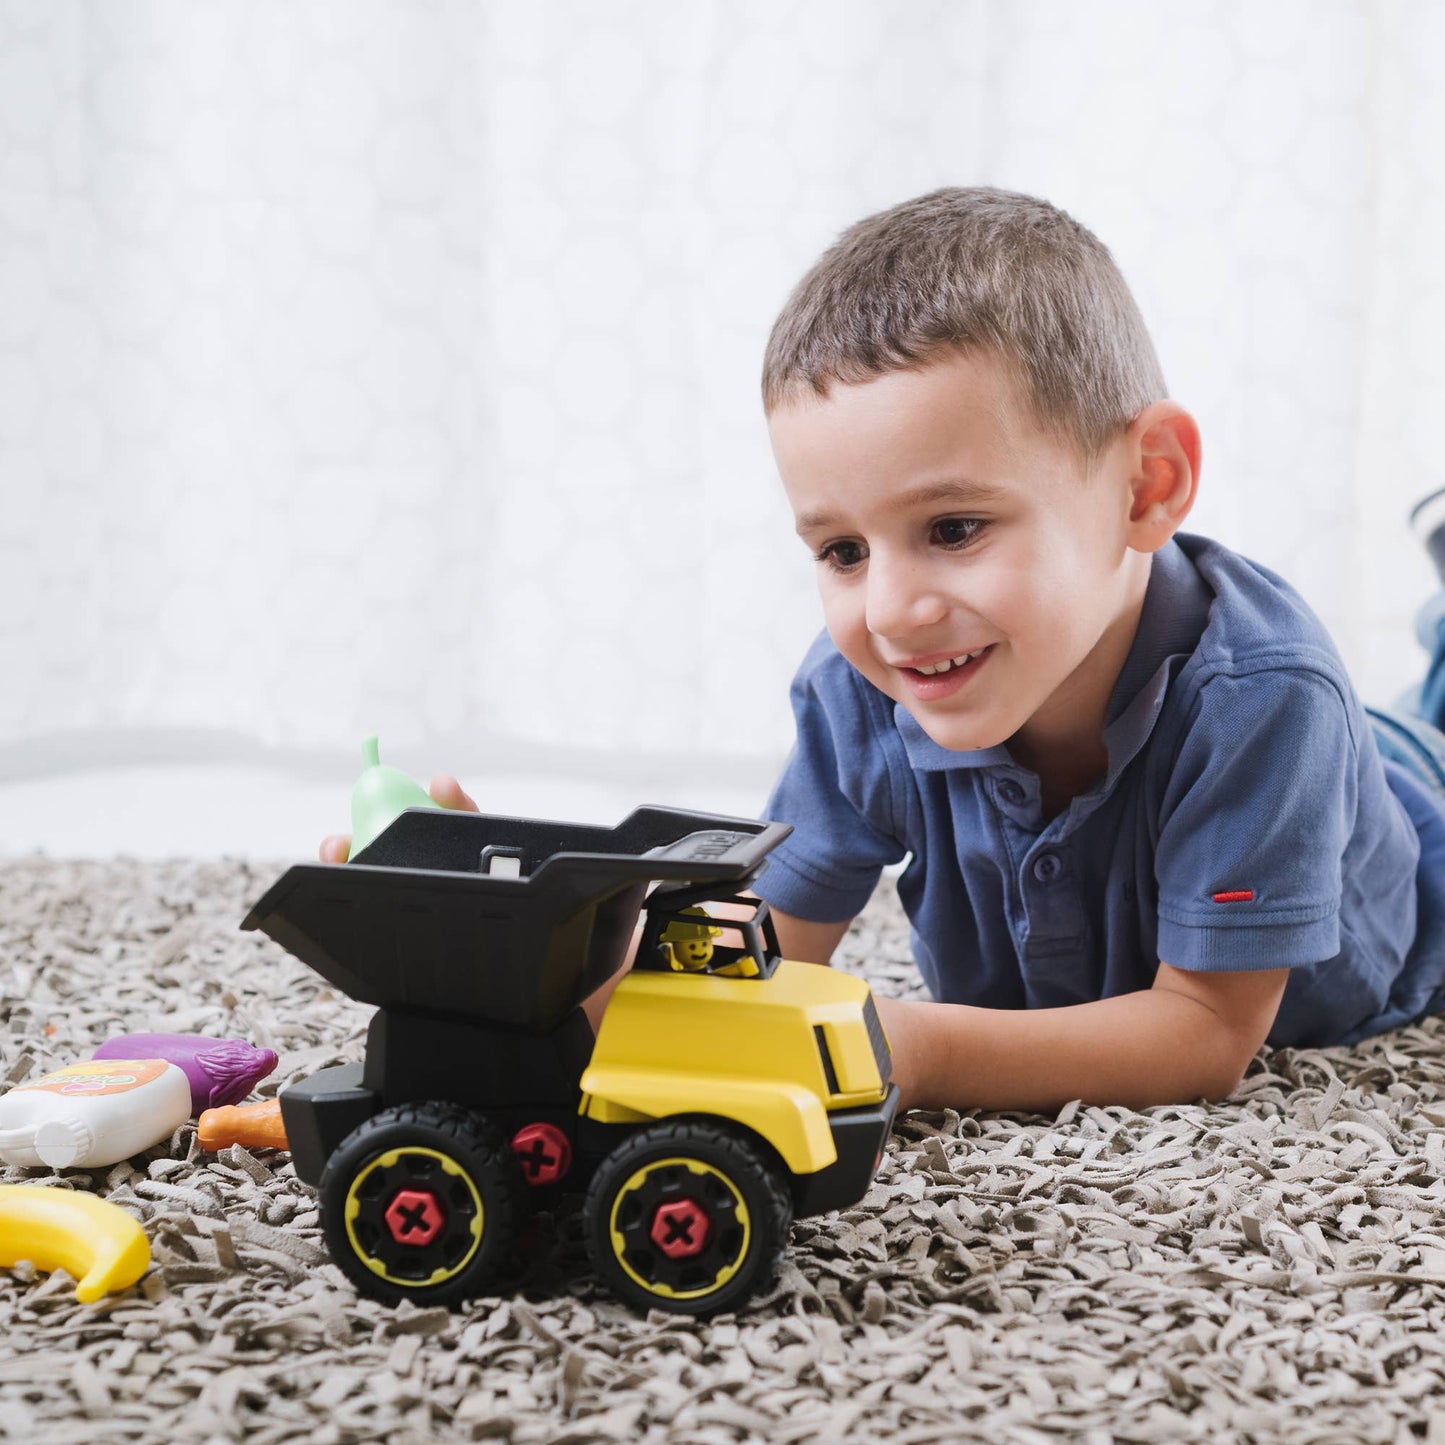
[{"x": 92, "y": 1239}]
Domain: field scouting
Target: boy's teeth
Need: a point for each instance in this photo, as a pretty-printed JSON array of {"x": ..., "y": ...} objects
[{"x": 934, "y": 668}]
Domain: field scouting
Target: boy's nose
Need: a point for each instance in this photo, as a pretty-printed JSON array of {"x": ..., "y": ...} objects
[{"x": 901, "y": 599}]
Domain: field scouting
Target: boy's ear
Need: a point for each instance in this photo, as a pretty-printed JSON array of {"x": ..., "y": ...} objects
[{"x": 1162, "y": 452}]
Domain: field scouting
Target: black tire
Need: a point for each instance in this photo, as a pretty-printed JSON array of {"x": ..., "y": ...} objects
[
  {"x": 436, "y": 1172},
  {"x": 699, "y": 1189}
]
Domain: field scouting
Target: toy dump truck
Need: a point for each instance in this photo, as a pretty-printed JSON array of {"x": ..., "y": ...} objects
[{"x": 727, "y": 1090}]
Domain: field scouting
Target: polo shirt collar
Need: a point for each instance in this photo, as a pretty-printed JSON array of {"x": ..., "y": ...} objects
[{"x": 1171, "y": 622}]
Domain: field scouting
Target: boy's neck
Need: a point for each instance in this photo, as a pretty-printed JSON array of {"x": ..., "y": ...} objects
[{"x": 1063, "y": 743}]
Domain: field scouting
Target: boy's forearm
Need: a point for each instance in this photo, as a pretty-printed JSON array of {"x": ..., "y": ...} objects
[
  {"x": 1137, "y": 1050},
  {"x": 808, "y": 942}
]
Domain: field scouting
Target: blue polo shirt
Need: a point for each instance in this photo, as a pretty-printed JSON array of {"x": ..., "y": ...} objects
[{"x": 1246, "y": 821}]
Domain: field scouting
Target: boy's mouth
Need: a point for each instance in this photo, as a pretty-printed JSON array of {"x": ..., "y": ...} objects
[{"x": 944, "y": 676}]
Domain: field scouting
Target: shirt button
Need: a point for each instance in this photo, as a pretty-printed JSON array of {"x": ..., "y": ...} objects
[
  {"x": 1047, "y": 867},
  {"x": 1011, "y": 792}
]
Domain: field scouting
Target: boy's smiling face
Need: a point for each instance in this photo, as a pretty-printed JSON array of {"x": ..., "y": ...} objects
[{"x": 972, "y": 566}]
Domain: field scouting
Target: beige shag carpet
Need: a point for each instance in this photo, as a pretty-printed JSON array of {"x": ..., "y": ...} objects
[{"x": 1268, "y": 1269}]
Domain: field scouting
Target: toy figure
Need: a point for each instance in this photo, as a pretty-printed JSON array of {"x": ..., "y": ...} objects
[{"x": 687, "y": 947}]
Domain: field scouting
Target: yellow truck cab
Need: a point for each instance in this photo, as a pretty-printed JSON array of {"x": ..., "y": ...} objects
[
  {"x": 777, "y": 1052},
  {"x": 778, "y": 1064}
]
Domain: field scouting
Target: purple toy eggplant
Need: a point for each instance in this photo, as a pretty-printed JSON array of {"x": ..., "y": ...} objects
[{"x": 220, "y": 1071}]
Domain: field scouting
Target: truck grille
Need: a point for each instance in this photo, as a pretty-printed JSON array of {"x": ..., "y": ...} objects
[
  {"x": 830, "y": 1074},
  {"x": 882, "y": 1056}
]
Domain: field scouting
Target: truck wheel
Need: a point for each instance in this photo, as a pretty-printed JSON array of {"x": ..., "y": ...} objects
[
  {"x": 421, "y": 1203},
  {"x": 686, "y": 1216}
]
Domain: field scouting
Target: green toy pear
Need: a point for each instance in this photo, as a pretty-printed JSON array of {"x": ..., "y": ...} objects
[{"x": 382, "y": 793}]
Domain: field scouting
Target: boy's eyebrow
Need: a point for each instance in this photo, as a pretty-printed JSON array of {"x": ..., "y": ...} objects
[{"x": 963, "y": 492}]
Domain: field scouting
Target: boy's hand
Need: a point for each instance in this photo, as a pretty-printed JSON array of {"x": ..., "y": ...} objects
[{"x": 445, "y": 792}]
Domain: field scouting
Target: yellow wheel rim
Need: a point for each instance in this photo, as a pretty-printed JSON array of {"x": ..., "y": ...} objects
[
  {"x": 355, "y": 1201},
  {"x": 707, "y": 1173}
]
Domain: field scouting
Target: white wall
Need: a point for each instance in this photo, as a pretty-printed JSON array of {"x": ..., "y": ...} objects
[{"x": 393, "y": 366}]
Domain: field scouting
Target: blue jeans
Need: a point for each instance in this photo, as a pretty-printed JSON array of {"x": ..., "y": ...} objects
[{"x": 1410, "y": 732}]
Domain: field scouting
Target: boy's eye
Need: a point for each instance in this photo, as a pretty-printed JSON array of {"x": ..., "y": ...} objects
[
  {"x": 957, "y": 531},
  {"x": 841, "y": 556}
]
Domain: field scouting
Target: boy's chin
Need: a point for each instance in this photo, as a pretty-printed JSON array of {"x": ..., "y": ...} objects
[{"x": 957, "y": 735}]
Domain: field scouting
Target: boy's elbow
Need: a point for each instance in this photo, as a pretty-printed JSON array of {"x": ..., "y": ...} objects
[
  {"x": 1222, "y": 1021},
  {"x": 1224, "y": 1080},
  {"x": 1224, "y": 1088},
  {"x": 1212, "y": 1088},
  {"x": 1211, "y": 1081}
]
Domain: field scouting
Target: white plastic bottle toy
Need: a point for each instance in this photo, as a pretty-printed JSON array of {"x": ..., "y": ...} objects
[{"x": 96, "y": 1112}]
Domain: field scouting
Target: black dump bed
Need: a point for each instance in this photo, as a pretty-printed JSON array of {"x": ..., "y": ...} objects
[{"x": 416, "y": 921}]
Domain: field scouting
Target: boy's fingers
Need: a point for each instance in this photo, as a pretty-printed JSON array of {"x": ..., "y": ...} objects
[
  {"x": 444, "y": 790},
  {"x": 448, "y": 792}
]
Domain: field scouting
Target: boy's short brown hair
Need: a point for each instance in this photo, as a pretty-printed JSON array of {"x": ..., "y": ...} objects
[{"x": 973, "y": 268}]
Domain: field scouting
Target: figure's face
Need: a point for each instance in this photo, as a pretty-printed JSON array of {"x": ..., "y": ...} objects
[
  {"x": 695, "y": 953},
  {"x": 971, "y": 566}
]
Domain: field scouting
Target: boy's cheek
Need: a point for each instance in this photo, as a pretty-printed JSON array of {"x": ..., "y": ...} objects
[
  {"x": 884, "y": 678},
  {"x": 851, "y": 639}
]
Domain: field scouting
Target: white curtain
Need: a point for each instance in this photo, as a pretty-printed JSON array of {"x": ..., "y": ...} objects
[{"x": 395, "y": 366}]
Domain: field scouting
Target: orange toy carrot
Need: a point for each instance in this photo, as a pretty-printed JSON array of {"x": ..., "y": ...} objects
[{"x": 256, "y": 1126}]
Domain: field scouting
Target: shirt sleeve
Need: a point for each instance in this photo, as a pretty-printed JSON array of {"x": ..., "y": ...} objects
[
  {"x": 837, "y": 792},
  {"x": 1258, "y": 811}
]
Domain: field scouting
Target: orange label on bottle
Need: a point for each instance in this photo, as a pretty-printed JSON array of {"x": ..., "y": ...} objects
[{"x": 97, "y": 1076}]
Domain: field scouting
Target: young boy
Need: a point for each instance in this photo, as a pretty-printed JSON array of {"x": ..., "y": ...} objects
[{"x": 1146, "y": 821}]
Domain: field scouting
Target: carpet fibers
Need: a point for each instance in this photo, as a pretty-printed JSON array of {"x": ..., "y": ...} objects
[{"x": 1271, "y": 1268}]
